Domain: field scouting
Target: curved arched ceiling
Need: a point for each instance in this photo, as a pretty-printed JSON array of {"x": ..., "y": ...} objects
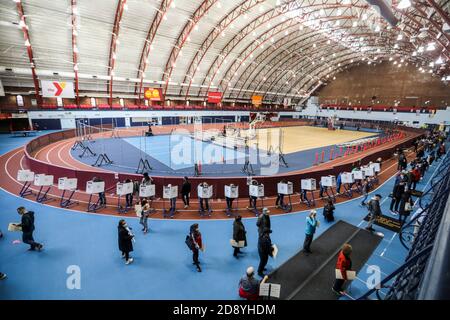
[{"x": 274, "y": 48}]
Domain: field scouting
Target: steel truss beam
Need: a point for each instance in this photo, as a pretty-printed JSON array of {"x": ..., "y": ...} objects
[
  {"x": 75, "y": 50},
  {"x": 148, "y": 45}
]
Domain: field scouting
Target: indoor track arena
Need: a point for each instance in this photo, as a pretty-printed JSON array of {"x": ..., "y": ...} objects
[{"x": 241, "y": 150}]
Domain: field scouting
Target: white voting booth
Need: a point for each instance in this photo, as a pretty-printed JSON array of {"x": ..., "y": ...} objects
[
  {"x": 124, "y": 188},
  {"x": 368, "y": 171},
  {"x": 147, "y": 190},
  {"x": 204, "y": 192},
  {"x": 359, "y": 175},
  {"x": 232, "y": 191},
  {"x": 43, "y": 180},
  {"x": 285, "y": 188},
  {"x": 95, "y": 187},
  {"x": 328, "y": 181},
  {"x": 308, "y": 184},
  {"x": 25, "y": 176},
  {"x": 347, "y": 177},
  {"x": 69, "y": 184},
  {"x": 170, "y": 192},
  {"x": 375, "y": 166},
  {"x": 256, "y": 190}
]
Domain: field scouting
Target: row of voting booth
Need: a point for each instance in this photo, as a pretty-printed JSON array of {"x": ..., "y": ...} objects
[{"x": 68, "y": 186}]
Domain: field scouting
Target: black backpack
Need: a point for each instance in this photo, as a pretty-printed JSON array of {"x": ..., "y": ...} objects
[{"x": 189, "y": 242}]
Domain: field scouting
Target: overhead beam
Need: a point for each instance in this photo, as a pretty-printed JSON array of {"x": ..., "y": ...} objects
[{"x": 75, "y": 49}]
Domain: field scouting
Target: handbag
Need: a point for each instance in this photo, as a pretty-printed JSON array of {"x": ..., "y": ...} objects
[{"x": 408, "y": 206}]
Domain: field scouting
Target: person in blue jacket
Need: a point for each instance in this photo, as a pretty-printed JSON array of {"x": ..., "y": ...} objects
[
  {"x": 338, "y": 183},
  {"x": 311, "y": 224}
]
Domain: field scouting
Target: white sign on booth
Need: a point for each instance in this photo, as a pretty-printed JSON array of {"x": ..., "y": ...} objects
[
  {"x": 368, "y": 171},
  {"x": 375, "y": 166},
  {"x": 147, "y": 190},
  {"x": 328, "y": 181},
  {"x": 67, "y": 184},
  {"x": 347, "y": 177},
  {"x": 204, "y": 192},
  {"x": 25, "y": 176},
  {"x": 95, "y": 187},
  {"x": 358, "y": 175},
  {"x": 170, "y": 192},
  {"x": 124, "y": 188},
  {"x": 232, "y": 191},
  {"x": 308, "y": 184},
  {"x": 43, "y": 180},
  {"x": 256, "y": 190},
  {"x": 285, "y": 188}
]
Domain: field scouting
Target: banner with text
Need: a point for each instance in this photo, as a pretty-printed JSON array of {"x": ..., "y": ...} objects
[
  {"x": 57, "y": 89},
  {"x": 257, "y": 100},
  {"x": 153, "y": 94},
  {"x": 214, "y": 97}
]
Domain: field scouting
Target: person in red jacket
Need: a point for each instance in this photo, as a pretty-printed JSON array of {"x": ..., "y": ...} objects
[
  {"x": 197, "y": 245},
  {"x": 344, "y": 264},
  {"x": 416, "y": 177}
]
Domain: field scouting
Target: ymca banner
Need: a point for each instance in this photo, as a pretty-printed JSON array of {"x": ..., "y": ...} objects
[
  {"x": 214, "y": 97},
  {"x": 257, "y": 100},
  {"x": 153, "y": 94},
  {"x": 57, "y": 89}
]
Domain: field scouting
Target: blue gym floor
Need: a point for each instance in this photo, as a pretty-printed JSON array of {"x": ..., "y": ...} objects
[
  {"x": 163, "y": 265},
  {"x": 174, "y": 155}
]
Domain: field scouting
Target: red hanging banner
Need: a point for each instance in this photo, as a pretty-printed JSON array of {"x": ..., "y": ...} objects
[{"x": 214, "y": 97}]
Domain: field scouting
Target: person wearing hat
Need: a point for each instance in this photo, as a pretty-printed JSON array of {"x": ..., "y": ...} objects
[
  {"x": 249, "y": 286},
  {"x": 263, "y": 221},
  {"x": 374, "y": 211},
  {"x": 311, "y": 224},
  {"x": 264, "y": 249}
]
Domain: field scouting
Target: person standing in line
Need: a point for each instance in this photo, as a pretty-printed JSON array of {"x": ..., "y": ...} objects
[
  {"x": 27, "y": 226},
  {"x": 196, "y": 244},
  {"x": 145, "y": 213},
  {"x": 239, "y": 234},
  {"x": 406, "y": 206},
  {"x": 249, "y": 286},
  {"x": 311, "y": 225},
  {"x": 263, "y": 221},
  {"x": 397, "y": 192},
  {"x": 365, "y": 191},
  {"x": 126, "y": 239},
  {"x": 265, "y": 250},
  {"x": 343, "y": 264},
  {"x": 374, "y": 211},
  {"x": 185, "y": 191}
]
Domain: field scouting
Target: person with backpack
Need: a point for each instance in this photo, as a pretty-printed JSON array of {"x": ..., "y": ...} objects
[
  {"x": 125, "y": 239},
  {"x": 27, "y": 226},
  {"x": 239, "y": 234},
  {"x": 263, "y": 221},
  {"x": 185, "y": 192},
  {"x": 195, "y": 244},
  {"x": 374, "y": 211},
  {"x": 328, "y": 211}
]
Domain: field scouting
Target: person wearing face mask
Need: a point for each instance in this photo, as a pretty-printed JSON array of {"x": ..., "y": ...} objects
[
  {"x": 126, "y": 239},
  {"x": 195, "y": 244}
]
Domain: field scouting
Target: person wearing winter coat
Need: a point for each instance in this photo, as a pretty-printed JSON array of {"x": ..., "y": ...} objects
[
  {"x": 328, "y": 211},
  {"x": 265, "y": 250},
  {"x": 185, "y": 191},
  {"x": 406, "y": 205},
  {"x": 27, "y": 226},
  {"x": 374, "y": 211},
  {"x": 397, "y": 192},
  {"x": 196, "y": 244},
  {"x": 263, "y": 221},
  {"x": 125, "y": 238},
  {"x": 311, "y": 225},
  {"x": 343, "y": 264},
  {"x": 239, "y": 234},
  {"x": 249, "y": 285},
  {"x": 145, "y": 213}
]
